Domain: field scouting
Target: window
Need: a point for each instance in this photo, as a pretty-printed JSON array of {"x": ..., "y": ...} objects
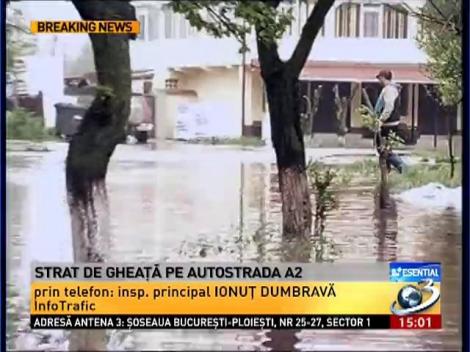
[
  {"x": 371, "y": 24},
  {"x": 171, "y": 83},
  {"x": 147, "y": 87},
  {"x": 371, "y": 21},
  {"x": 395, "y": 22},
  {"x": 347, "y": 20},
  {"x": 168, "y": 17},
  {"x": 183, "y": 27},
  {"x": 142, "y": 20},
  {"x": 154, "y": 24}
]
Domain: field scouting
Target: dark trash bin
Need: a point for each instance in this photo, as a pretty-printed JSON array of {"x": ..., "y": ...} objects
[
  {"x": 68, "y": 118},
  {"x": 141, "y": 136},
  {"x": 10, "y": 104}
]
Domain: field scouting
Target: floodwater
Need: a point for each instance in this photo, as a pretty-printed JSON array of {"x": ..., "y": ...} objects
[{"x": 202, "y": 203}]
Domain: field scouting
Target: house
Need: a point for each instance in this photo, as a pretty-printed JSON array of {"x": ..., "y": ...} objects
[{"x": 207, "y": 78}]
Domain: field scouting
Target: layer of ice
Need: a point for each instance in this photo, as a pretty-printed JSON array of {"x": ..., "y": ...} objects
[{"x": 433, "y": 195}]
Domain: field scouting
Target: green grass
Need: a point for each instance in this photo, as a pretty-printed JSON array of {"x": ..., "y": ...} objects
[
  {"x": 242, "y": 141},
  {"x": 363, "y": 167},
  {"x": 414, "y": 176},
  {"x": 439, "y": 156},
  {"x": 420, "y": 175}
]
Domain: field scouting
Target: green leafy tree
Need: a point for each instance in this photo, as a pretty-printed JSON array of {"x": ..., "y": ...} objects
[
  {"x": 281, "y": 78},
  {"x": 441, "y": 38},
  {"x": 19, "y": 41}
]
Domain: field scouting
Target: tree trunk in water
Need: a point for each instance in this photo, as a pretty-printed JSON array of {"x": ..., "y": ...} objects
[
  {"x": 281, "y": 80},
  {"x": 451, "y": 145},
  {"x": 287, "y": 137},
  {"x": 90, "y": 150},
  {"x": 296, "y": 206},
  {"x": 383, "y": 190},
  {"x": 90, "y": 235}
]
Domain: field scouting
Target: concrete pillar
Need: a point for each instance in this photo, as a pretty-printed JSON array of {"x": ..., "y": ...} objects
[
  {"x": 355, "y": 103},
  {"x": 407, "y": 119},
  {"x": 415, "y": 107},
  {"x": 248, "y": 98},
  {"x": 266, "y": 129},
  {"x": 244, "y": 90}
]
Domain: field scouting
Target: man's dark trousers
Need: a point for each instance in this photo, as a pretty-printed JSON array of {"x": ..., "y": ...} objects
[{"x": 392, "y": 159}]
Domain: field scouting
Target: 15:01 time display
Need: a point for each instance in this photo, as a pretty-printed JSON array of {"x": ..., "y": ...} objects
[{"x": 417, "y": 322}]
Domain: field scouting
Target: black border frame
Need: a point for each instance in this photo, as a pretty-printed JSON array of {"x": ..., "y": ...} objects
[
  {"x": 3, "y": 236},
  {"x": 465, "y": 179},
  {"x": 465, "y": 182}
]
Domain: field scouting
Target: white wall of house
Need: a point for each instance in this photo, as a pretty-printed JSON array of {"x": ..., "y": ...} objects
[
  {"x": 219, "y": 95},
  {"x": 169, "y": 105},
  {"x": 175, "y": 44}
]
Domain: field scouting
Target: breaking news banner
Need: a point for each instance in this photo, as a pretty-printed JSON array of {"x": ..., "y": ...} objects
[
  {"x": 97, "y": 27},
  {"x": 236, "y": 296}
]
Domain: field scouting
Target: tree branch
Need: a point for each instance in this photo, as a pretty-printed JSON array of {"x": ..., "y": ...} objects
[
  {"x": 442, "y": 20},
  {"x": 309, "y": 33},
  {"x": 438, "y": 10},
  {"x": 113, "y": 10},
  {"x": 225, "y": 22},
  {"x": 268, "y": 54}
]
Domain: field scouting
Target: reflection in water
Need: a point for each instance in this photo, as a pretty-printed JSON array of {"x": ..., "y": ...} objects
[
  {"x": 240, "y": 224},
  {"x": 282, "y": 340},
  {"x": 220, "y": 204},
  {"x": 14, "y": 257},
  {"x": 385, "y": 219}
]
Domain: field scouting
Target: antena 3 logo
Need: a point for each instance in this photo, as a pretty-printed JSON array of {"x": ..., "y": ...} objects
[{"x": 418, "y": 297}]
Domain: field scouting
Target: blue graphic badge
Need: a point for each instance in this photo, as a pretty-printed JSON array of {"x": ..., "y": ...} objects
[
  {"x": 420, "y": 296},
  {"x": 414, "y": 272}
]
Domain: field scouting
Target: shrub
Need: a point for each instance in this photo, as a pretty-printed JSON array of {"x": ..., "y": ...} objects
[
  {"x": 24, "y": 125},
  {"x": 370, "y": 121},
  {"x": 322, "y": 179}
]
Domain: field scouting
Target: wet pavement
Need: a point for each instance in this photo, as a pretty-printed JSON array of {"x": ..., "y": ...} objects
[{"x": 203, "y": 203}]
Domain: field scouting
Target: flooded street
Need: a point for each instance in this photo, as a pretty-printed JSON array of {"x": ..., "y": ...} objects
[{"x": 202, "y": 203}]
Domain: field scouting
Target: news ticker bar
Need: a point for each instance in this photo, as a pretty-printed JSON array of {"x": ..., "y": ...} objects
[{"x": 221, "y": 322}]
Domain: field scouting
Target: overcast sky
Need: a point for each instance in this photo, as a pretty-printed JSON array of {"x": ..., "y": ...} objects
[{"x": 72, "y": 45}]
